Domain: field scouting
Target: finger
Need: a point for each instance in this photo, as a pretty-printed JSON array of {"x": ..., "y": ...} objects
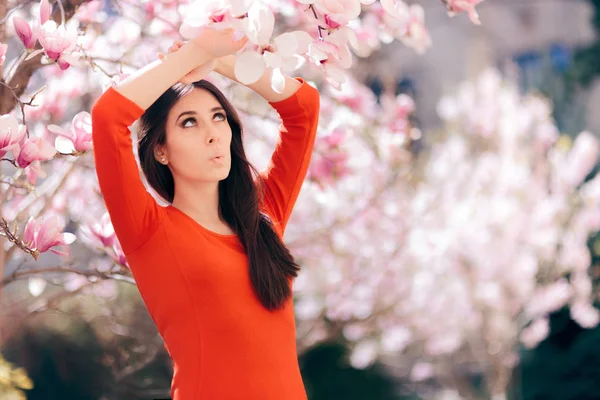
[{"x": 161, "y": 56}]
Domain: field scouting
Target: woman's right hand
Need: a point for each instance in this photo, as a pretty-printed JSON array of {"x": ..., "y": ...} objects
[{"x": 219, "y": 43}]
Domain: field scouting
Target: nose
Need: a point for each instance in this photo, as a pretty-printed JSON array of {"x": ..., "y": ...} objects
[{"x": 213, "y": 137}]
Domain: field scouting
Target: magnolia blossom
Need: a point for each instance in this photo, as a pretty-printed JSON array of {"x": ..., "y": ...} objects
[
  {"x": 45, "y": 11},
  {"x": 26, "y": 33},
  {"x": 33, "y": 150},
  {"x": 283, "y": 55},
  {"x": 45, "y": 235},
  {"x": 78, "y": 139},
  {"x": 329, "y": 161},
  {"x": 11, "y": 133},
  {"x": 59, "y": 43},
  {"x": 458, "y": 6},
  {"x": 29, "y": 154},
  {"x": 99, "y": 234},
  {"x": 215, "y": 14}
]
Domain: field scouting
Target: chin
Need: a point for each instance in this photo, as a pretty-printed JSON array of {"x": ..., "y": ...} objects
[{"x": 224, "y": 175}]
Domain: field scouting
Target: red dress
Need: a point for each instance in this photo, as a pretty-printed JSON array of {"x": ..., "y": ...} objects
[{"x": 195, "y": 283}]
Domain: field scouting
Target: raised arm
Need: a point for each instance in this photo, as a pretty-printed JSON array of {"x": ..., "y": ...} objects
[
  {"x": 298, "y": 108},
  {"x": 134, "y": 213}
]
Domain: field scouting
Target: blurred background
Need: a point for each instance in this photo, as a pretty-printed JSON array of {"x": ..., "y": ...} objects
[{"x": 447, "y": 230}]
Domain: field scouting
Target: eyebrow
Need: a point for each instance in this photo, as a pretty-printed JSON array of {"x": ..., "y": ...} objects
[{"x": 214, "y": 109}]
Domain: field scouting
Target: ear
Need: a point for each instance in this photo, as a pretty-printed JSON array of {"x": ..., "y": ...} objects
[{"x": 160, "y": 155}]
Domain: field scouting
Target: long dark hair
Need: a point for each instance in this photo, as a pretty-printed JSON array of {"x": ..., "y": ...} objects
[{"x": 271, "y": 263}]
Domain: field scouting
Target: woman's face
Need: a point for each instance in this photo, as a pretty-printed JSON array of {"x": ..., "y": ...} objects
[{"x": 197, "y": 146}]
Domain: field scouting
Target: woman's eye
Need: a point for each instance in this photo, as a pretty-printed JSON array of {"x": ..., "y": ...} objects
[
  {"x": 220, "y": 116},
  {"x": 185, "y": 123}
]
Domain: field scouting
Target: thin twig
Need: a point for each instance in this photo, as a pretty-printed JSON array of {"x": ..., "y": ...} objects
[
  {"x": 62, "y": 12},
  {"x": 12, "y": 237},
  {"x": 321, "y": 29},
  {"x": 13, "y": 162},
  {"x": 22, "y": 104},
  {"x": 62, "y": 269}
]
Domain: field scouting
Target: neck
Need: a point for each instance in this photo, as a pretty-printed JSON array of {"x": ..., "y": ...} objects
[{"x": 198, "y": 200}]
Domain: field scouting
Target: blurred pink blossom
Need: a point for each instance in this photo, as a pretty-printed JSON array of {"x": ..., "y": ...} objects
[
  {"x": 99, "y": 234},
  {"x": 535, "y": 333},
  {"x": 458, "y": 6},
  {"x": 11, "y": 133}
]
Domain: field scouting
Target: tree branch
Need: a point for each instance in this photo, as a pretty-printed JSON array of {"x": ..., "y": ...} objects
[
  {"x": 92, "y": 272},
  {"x": 12, "y": 237}
]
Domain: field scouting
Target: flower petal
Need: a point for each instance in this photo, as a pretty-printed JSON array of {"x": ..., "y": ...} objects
[
  {"x": 45, "y": 11},
  {"x": 240, "y": 7},
  {"x": 64, "y": 145},
  {"x": 249, "y": 67},
  {"x": 191, "y": 28},
  {"x": 272, "y": 60},
  {"x": 277, "y": 80},
  {"x": 261, "y": 24}
]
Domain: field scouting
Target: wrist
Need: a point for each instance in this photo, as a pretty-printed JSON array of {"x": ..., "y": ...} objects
[{"x": 193, "y": 55}]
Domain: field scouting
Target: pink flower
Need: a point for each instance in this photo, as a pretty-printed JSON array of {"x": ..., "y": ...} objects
[
  {"x": 32, "y": 150},
  {"x": 45, "y": 11},
  {"x": 92, "y": 11},
  {"x": 330, "y": 161},
  {"x": 119, "y": 256},
  {"x": 283, "y": 54},
  {"x": 458, "y": 6},
  {"x": 398, "y": 111},
  {"x": 100, "y": 233},
  {"x": 3, "y": 48},
  {"x": 11, "y": 133},
  {"x": 27, "y": 35},
  {"x": 215, "y": 14},
  {"x": 78, "y": 139},
  {"x": 333, "y": 55},
  {"x": 59, "y": 44},
  {"x": 407, "y": 23},
  {"x": 43, "y": 236},
  {"x": 340, "y": 11}
]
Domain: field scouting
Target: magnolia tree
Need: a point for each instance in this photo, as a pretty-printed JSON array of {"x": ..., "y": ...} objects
[{"x": 446, "y": 265}]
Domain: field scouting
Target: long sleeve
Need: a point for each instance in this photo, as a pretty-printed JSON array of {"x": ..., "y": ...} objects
[
  {"x": 134, "y": 213},
  {"x": 288, "y": 166}
]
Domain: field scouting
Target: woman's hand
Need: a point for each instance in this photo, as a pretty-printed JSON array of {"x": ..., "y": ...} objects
[
  {"x": 219, "y": 43},
  {"x": 197, "y": 73}
]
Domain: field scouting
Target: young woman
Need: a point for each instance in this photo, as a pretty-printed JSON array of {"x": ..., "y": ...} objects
[{"x": 211, "y": 267}]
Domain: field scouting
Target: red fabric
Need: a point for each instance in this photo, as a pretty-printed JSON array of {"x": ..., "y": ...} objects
[{"x": 195, "y": 283}]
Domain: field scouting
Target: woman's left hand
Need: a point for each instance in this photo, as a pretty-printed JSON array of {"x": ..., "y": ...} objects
[{"x": 197, "y": 73}]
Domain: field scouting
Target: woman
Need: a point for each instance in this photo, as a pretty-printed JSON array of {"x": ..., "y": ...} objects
[{"x": 211, "y": 267}]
